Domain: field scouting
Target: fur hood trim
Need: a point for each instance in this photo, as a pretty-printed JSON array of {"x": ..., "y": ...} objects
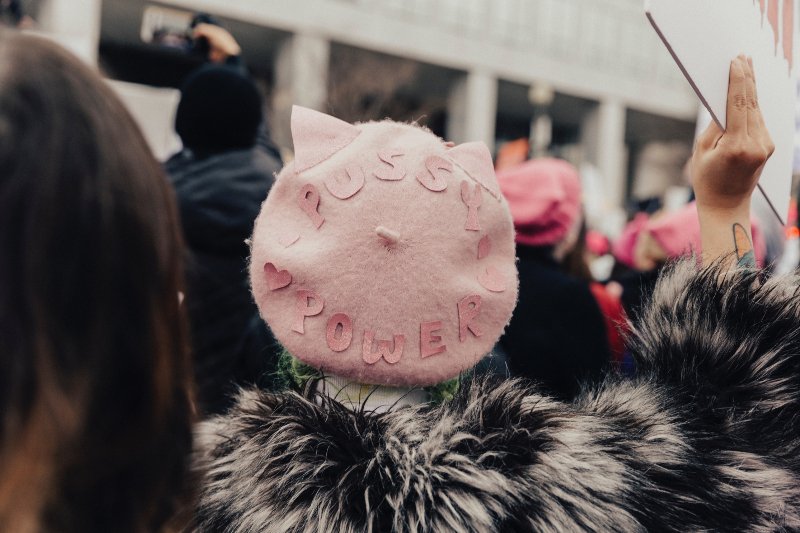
[
  {"x": 729, "y": 346},
  {"x": 705, "y": 439}
]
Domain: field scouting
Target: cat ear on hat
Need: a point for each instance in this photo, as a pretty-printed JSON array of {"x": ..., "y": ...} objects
[
  {"x": 318, "y": 136},
  {"x": 476, "y": 160}
]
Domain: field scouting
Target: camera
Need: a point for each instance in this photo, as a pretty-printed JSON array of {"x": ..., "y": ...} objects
[{"x": 182, "y": 39}]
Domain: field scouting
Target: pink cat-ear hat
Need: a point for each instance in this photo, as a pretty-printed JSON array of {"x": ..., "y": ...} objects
[{"x": 384, "y": 255}]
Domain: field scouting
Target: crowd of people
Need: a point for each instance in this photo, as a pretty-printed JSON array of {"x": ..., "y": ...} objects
[{"x": 381, "y": 335}]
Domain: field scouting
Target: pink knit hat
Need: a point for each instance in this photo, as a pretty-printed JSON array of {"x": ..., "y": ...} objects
[
  {"x": 544, "y": 196},
  {"x": 677, "y": 233},
  {"x": 382, "y": 254},
  {"x": 625, "y": 245}
]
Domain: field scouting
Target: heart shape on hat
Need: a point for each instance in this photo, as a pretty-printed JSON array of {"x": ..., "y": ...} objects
[
  {"x": 492, "y": 280},
  {"x": 276, "y": 279}
]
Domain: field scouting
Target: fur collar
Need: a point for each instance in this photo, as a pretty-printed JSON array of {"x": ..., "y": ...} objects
[{"x": 705, "y": 439}]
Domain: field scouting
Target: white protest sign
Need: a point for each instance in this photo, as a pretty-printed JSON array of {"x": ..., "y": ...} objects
[{"x": 703, "y": 37}]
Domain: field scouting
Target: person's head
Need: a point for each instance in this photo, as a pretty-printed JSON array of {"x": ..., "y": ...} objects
[
  {"x": 220, "y": 110},
  {"x": 544, "y": 196},
  {"x": 384, "y": 255},
  {"x": 648, "y": 242},
  {"x": 94, "y": 399}
]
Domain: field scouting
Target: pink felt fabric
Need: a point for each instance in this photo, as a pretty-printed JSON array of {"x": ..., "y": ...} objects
[
  {"x": 625, "y": 246},
  {"x": 474, "y": 158},
  {"x": 318, "y": 136},
  {"x": 597, "y": 243},
  {"x": 391, "y": 288},
  {"x": 544, "y": 196}
]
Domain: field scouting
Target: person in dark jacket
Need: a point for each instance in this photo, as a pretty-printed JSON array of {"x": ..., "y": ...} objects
[
  {"x": 558, "y": 335},
  {"x": 221, "y": 178}
]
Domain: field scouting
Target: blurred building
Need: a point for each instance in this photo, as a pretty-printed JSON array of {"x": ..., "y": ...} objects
[{"x": 587, "y": 79}]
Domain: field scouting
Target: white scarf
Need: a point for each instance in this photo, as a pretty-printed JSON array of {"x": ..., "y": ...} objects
[{"x": 375, "y": 398}]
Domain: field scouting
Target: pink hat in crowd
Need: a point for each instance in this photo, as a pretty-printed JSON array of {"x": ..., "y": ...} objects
[
  {"x": 624, "y": 247},
  {"x": 382, "y": 254},
  {"x": 544, "y": 196},
  {"x": 677, "y": 233},
  {"x": 597, "y": 243}
]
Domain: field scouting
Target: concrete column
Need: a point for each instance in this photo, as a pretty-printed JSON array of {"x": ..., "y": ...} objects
[
  {"x": 301, "y": 78},
  {"x": 603, "y": 139},
  {"x": 541, "y": 135},
  {"x": 73, "y": 23},
  {"x": 472, "y": 109}
]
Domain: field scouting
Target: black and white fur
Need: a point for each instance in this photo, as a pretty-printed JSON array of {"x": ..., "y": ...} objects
[{"x": 705, "y": 439}]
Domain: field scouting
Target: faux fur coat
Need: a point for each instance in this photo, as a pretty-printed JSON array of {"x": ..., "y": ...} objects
[{"x": 706, "y": 438}]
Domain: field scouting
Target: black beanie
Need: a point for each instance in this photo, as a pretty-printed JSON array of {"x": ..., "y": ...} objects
[{"x": 220, "y": 110}]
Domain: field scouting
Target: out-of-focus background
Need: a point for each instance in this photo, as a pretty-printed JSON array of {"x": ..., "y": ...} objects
[{"x": 585, "y": 80}]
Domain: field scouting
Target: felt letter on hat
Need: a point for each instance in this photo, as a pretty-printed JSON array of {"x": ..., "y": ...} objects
[
  {"x": 484, "y": 247},
  {"x": 427, "y": 338},
  {"x": 473, "y": 200},
  {"x": 288, "y": 239},
  {"x": 492, "y": 280},
  {"x": 395, "y": 172},
  {"x": 346, "y": 182},
  {"x": 318, "y": 136},
  {"x": 339, "y": 333},
  {"x": 308, "y": 303},
  {"x": 435, "y": 179},
  {"x": 468, "y": 310},
  {"x": 309, "y": 203},
  {"x": 385, "y": 350}
]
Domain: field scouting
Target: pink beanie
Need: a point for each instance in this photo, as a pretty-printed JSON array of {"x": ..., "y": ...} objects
[
  {"x": 625, "y": 246},
  {"x": 544, "y": 196},
  {"x": 677, "y": 233},
  {"x": 382, "y": 254},
  {"x": 597, "y": 243}
]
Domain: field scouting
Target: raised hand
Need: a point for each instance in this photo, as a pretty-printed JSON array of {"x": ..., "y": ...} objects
[
  {"x": 726, "y": 167},
  {"x": 221, "y": 43}
]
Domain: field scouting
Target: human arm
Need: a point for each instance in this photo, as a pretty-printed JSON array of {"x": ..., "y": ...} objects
[
  {"x": 222, "y": 45},
  {"x": 726, "y": 167}
]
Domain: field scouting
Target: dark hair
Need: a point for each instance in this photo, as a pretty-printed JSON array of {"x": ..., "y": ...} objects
[
  {"x": 95, "y": 411},
  {"x": 575, "y": 262}
]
